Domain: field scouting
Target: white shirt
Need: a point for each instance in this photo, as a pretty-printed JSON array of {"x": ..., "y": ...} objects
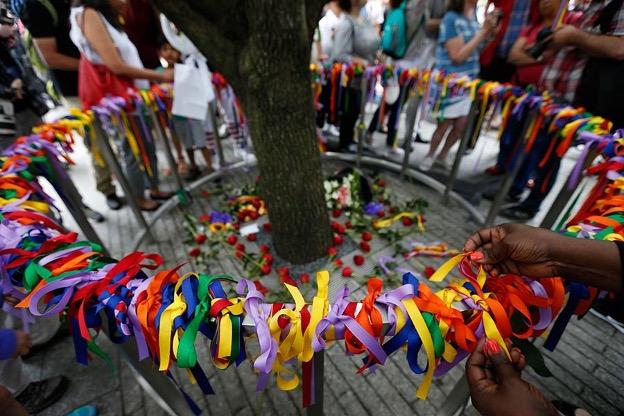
[
  {"x": 327, "y": 29},
  {"x": 122, "y": 42},
  {"x": 373, "y": 11}
]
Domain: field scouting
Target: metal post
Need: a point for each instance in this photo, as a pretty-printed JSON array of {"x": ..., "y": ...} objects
[
  {"x": 566, "y": 194},
  {"x": 161, "y": 133},
  {"x": 463, "y": 144},
  {"x": 319, "y": 380},
  {"x": 109, "y": 156},
  {"x": 361, "y": 127},
  {"x": 511, "y": 173},
  {"x": 215, "y": 128},
  {"x": 412, "y": 116},
  {"x": 73, "y": 201}
]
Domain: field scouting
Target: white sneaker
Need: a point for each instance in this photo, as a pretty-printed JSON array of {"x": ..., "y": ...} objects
[
  {"x": 333, "y": 130},
  {"x": 447, "y": 162},
  {"x": 395, "y": 152},
  {"x": 426, "y": 164}
]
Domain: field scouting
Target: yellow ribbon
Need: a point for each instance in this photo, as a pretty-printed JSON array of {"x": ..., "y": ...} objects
[
  {"x": 387, "y": 222},
  {"x": 320, "y": 308},
  {"x": 224, "y": 351},
  {"x": 177, "y": 308},
  {"x": 427, "y": 342}
]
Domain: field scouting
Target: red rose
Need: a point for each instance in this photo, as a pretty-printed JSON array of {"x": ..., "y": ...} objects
[
  {"x": 240, "y": 247},
  {"x": 268, "y": 258},
  {"x": 288, "y": 280},
  {"x": 239, "y": 254},
  {"x": 381, "y": 183},
  {"x": 349, "y": 225},
  {"x": 283, "y": 271},
  {"x": 367, "y": 236},
  {"x": 305, "y": 278},
  {"x": 347, "y": 272},
  {"x": 407, "y": 221},
  {"x": 205, "y": 194},
  {"x": 236, "y": 226},
  {"x": 265, "y": 269},
  {"x": 381, "y": 214},
  {"x": 264, "y": 248},
  {"x": 336, "y": 213},
  {"x": 338, "y": 263},
  {"x": 429, "y": 271},
  {"x": 267, "y": 227},
  {"x": 365, "y": 247},
  {"x": 195, "y": 252},
  {"x": 358, "y": 260},
  {"x": 204, "y": 218},
  {"x": 254, "y": 215},
  {"x": 241, "y": 216},
  {"x": 393, "y": 210},
  {"x": 260, "y": 287},
  {"x": 231, "y": 239},
  {"x": 335, "y": 225},
  {"x": 200, "y": 238},
  {"x": 332, "y": 251},
  {"x": 252, "y": 237},
  {"x": 338, "y": 240}
]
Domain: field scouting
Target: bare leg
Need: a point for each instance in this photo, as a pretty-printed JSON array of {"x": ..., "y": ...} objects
[
  {"x": 438, "y": 136},
  {"x": 191, "y": 155},
  {"x": 207, "y": 157},
  {"x": 459, "y": 127}
]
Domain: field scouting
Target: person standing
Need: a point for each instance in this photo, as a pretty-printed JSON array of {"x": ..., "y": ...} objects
[
  {"x": 48, "y": 23},
  {"x": 142, "y": 25},
  {"x": 457, "y": 52},
  {"x": 97, "y": 32},
  {"x": 356, "y": 42},
  {"x": 586, "y": 71}
]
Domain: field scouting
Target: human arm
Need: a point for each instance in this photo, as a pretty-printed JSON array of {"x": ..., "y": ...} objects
[
  {"x": 53, "y": 57},
  {"x": 601, "y": 46},
  {"x": 536, "y": 252},
  {"x": 518, "y": 55},
  {"x": 432, "y": 26},
  {"x": 458, "y": 49},
  {"x": 13, "y": 343},
  {"x": 100, "y": 40}
]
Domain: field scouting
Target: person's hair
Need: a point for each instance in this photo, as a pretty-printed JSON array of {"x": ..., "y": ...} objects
[
  {"x": 456, "y": 5},
  {"x": 395, "y": 4},
  {"x": 162, "y": 41},
  {"x": 104, "y": 7},
  {"x": 345, "y": 5}
]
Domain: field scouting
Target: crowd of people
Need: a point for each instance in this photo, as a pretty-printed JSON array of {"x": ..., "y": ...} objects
[{"x": 54, "y": 51}]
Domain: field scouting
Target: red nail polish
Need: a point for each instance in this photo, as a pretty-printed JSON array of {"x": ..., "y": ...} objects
[
  {"x": 491, "y": 347},
  {"x": 476, "y": 256}
]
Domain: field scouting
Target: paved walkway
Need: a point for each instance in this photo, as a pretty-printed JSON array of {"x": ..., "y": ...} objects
[{"x": 588, "y": 365}]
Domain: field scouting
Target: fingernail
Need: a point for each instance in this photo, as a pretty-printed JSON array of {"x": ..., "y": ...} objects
[
  {"x": 476, "y": 256},
  {"x": 491, "y": 347}
]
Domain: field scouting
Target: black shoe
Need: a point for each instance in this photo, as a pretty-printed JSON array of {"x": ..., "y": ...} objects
[
  {"x": 517, "y": 213},
  {"x": 93, "y": 214},
  {"x": 192, "y": 174},
  {"x": 420, "y": 139},
  {"x": 42, "y": 394},
  {"x": 113, "y": 202},
  {"x": 62, "y": 332}
]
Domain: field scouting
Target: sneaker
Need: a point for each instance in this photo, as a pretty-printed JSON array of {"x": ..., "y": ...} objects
[
  {"x": 88, "y": 410},
  {"x": 517, "y": 213},
  {"x": 40, "y": 395},
  {"x": 113, "y": 201},
  {"x": 61, "y": 333},
  {"x": 395, "y": 152},
  {"x": 333, "y": 130},
  {"x": 426, "y": 164},
  {"x": 419, "y": 139},
  {"x": 447, "y": 162},
  {"x": 93, "y": 214},
  {"x": 352, "y": 148}
]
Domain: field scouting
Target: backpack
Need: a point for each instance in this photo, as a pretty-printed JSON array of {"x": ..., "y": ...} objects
[{"x": 394, "y": 35}]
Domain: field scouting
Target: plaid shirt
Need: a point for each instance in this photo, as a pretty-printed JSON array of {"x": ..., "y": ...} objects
[
  {"x": 517, "y": 21},
  {"x": 563, "y": 75}
]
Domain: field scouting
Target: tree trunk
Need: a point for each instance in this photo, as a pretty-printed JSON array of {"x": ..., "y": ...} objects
[{"x": 270, "y": 73}]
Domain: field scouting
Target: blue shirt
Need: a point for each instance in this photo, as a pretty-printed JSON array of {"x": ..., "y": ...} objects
[{"x": 454, "y": 25}]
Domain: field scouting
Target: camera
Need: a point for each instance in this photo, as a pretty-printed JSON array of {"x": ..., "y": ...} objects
[{"x": 540, "y": 45}]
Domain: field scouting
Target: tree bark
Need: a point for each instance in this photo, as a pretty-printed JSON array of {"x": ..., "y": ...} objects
[{"x": 268, "y": 66}]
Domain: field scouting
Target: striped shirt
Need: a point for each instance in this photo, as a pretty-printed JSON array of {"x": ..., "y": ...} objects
[{"x": 457, "y": 25}]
